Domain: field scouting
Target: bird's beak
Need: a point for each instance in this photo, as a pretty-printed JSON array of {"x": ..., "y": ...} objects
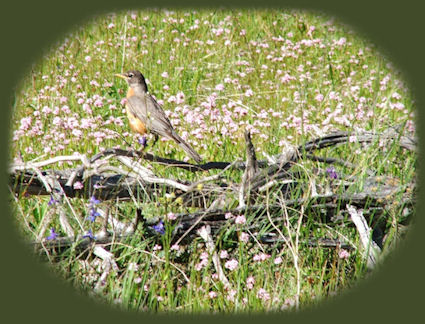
[{"x": 122, "y": 76}]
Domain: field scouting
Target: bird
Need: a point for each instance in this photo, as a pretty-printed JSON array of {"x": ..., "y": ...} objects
[{"x": 145, "y": 114}]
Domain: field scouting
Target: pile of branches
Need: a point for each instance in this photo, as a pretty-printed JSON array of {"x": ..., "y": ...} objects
[{"x": 214, "y": 196}]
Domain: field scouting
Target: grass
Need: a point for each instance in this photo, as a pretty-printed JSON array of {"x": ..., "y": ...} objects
[{"x": 288, "y": 77}]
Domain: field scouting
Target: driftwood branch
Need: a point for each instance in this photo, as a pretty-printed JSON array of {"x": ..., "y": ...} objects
[
  {"x": 27, "y": 178},
  {"x": 98, "y": 178}
]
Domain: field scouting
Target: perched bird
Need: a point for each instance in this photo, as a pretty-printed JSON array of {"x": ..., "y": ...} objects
[{"x": 146, "y": 115}]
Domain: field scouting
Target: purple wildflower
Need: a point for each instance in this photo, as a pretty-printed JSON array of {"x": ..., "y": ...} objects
[
  {"x": 52, "y": 235},
  {"x": 143, "y": 141},
  {"x": 94, "y": 201},
  {"x": 159, "y": 228},
  {"x": 93, "y": 214},
  {"x": 89, "y": 235},
  {"x": 332, "y": 173},
  {"x": 52, "y": 201},
  {"x": 93, "y": 210}
]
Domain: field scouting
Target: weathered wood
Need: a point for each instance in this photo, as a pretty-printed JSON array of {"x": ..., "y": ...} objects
[{"x": 210, "y": 194}]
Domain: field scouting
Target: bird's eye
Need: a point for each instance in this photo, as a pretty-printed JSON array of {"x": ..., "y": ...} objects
[{"x": 130, "y": 75}]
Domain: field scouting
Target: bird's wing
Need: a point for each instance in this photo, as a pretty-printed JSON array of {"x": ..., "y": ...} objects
[{"x": 150, "y": 112}]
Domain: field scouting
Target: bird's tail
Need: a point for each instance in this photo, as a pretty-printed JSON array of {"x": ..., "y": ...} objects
[{"x": 187, "y": 148}]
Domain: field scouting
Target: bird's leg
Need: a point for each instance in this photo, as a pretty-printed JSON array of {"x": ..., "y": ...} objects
[{"x": 155, "y": 139}]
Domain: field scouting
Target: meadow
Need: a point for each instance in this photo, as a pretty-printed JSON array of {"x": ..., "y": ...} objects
[{"x": 286, "y": 77}]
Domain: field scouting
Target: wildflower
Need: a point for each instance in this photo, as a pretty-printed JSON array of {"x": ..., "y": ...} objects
[
  {"x": 52, "y": 235},
  {"x": 277, "y": 260},
  {"x": 86, "y": 108},
  {"x": 261, "y": 257},
  {"x": 98, "y": 103},
  {"x": 319, "y": 97},
  {"x": 157, "y": 247},
  {"x": 240, "y": 219},
  {"x": 77, "y": 133},
  {"x": 172, "y": 99},
  {"x": 52, "y": 201},
  {"x": 204, "y": 255},
  {"x": 396, "y": 96},
  {"x": 137, "y": 280},
  {"x": 228, "y": 215},
  {"x": 289, "y": 302},
  {"x": 133, "y": 266},
  {"x": 143, "y": 140},
  {"x": 352, "y": 139},
  {"x": 219, "y": 87},
  {"x": 94, "y": 201},
  {"x": 171, "y": 216},
  {"x": 87, "y": 58},
  {"x": 180, "y": 98},
  {"x": 231, "y": 264},
  {"x": 341, "y": 41},
  {"x": 175, "y": 247},
  {"x": 244, "y": 237},
  {"x": 224, "y": 254},
  {"x": 249, "y": 93},
  {"x": 201, "y": 264},
  {"x": 231, "y": 295},
  {"x": 93, "y": 214},
  {"x": 250, "y": 281},
  {"x": 343, "y": 254},
  {"x": 25, "y": 123},
  {"x": 89, "y": 235},
  {"x": 159, "y": 228},
  {"x": 263, "y": 294},
  {"x": 332, "y": 173},
  {"x": 212, "y": 294},
  {"x": 97, "y": 186}
]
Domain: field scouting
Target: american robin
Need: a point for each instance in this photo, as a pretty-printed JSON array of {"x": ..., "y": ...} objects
[{"x": 146, "y": 115}]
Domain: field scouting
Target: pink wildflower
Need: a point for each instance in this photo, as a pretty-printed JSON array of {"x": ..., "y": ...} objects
[
  {"x": 219, "y": 87},
  {"x": 231, "y": 295},
  {"x": 250, "y": 281},
  {"x": 224, "y": 254},
  {"x": 231, "y": 264},
  {"x": 319, "y": 97},
  {"x": 263, "y": 294},
  {"x": 171, "y": 216},
  {"x": 261, "y": 257},
  {"x": 228, "y": 215},
  {"x": 343, "y": 254},
  {"x": 244, "y": 237},
  {"x": 175, "y": 247},
  {"x": 277, "y": 260},
  {"x": 240, "y": 219}
]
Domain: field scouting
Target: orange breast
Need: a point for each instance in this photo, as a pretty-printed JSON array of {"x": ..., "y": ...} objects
[
  {"x": 130, "y": 92},
  {"x": 136, "y": 124}
]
